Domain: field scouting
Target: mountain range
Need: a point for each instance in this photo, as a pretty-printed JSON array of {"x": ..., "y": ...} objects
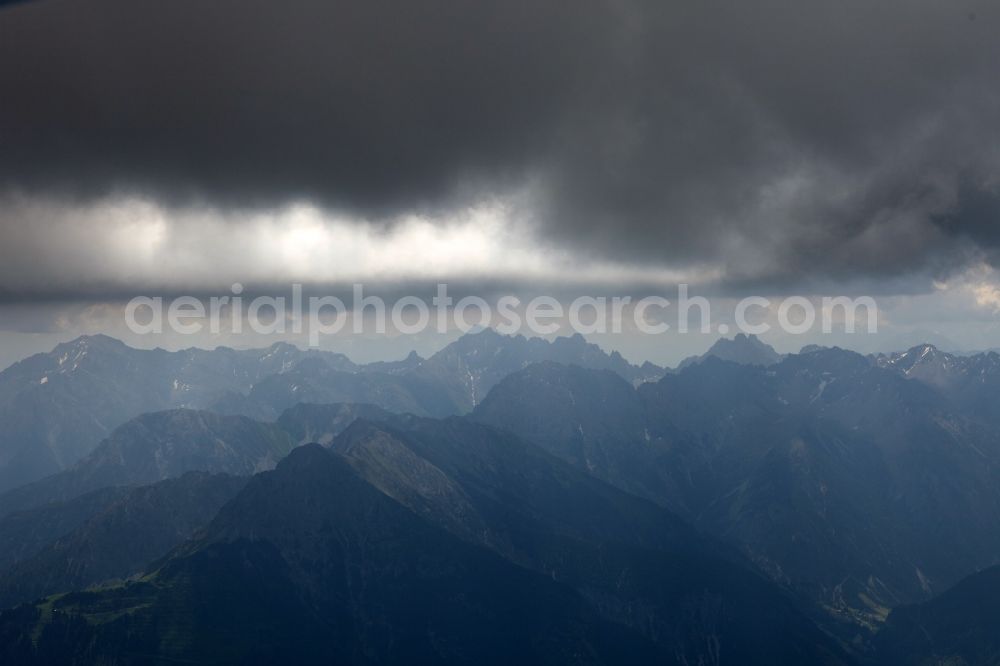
[
  {"x": 821, "y": 507},
  {"x": 853, "y": 484},
  {"x": 430, "y": 541},
  {"x": 57, "y": 407}
]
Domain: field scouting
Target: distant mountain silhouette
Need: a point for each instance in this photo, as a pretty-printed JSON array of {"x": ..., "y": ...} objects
[
  {"x": 57, "y": 407},
  {"x": 160, "y": 446},
  {"x": 744, "y": 349},
  {"x": 451, "y": 381}
]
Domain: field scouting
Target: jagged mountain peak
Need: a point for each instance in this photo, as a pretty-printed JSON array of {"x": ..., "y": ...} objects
[
  {"x": 926, "y": 363},
  {"x": 741, "y": 341},
  {"x": 97, "y": 340},
  {"x": 921, "y": 351},
  {"x": 69, "y": 354},
  {"x": 742, "y": 348}
]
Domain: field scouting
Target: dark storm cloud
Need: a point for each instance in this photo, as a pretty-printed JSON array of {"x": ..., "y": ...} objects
[
  {"x": 785, "y": 139},
  {"x": 375, "y": 105}
]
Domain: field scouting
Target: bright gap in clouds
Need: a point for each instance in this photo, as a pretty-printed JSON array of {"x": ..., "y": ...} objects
[{"x": 135, "y": 242}]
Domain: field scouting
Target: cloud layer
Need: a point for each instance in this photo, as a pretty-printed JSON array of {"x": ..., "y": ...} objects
[{"x": 775, "y": 143}]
